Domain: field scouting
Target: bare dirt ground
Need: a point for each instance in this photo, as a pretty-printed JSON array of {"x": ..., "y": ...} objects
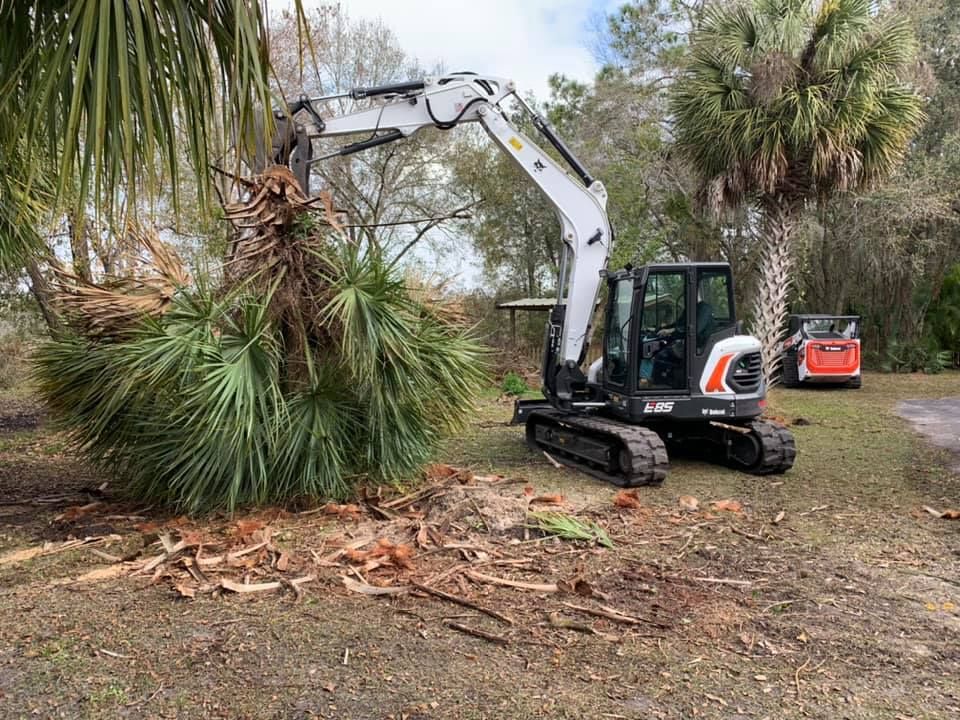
[{"x": 829, "y": 592}]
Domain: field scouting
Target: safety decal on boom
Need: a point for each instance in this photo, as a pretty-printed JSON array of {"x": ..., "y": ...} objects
[{"x": 517, "y": 145}]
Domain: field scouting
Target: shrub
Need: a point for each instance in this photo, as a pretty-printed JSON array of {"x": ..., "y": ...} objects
[
  {"x": 923, "y": 355},
  {"x": 514, "y": 384}
]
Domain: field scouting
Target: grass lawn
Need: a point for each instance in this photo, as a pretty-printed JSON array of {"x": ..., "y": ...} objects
[{"x": 831, "y": 594}]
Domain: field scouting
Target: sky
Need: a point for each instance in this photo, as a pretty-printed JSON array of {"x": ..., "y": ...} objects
[{"x": 524, "y": 40}]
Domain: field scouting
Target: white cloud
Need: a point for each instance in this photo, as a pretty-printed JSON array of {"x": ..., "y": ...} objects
[{"x": 525, "y": 40}]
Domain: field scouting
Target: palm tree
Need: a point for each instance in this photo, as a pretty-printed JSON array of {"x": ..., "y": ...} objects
[
  {"x": 784, "y": 102},
  {"x": 100, "y": 95}
]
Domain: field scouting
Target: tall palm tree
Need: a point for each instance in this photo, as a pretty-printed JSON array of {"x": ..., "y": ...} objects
[
  {"x": 100, "y": 95},
  {"x": 784, "y": 102}
]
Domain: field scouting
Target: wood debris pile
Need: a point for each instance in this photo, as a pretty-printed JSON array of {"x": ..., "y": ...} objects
[{"x": 461, "y": 540}]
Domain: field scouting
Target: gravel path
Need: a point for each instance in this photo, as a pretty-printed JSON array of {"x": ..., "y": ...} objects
[{"x": 937, "y": 420}]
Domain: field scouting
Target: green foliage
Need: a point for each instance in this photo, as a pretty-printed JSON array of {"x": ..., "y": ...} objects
[
  {"x": 924, "y": 355},
  {"x": 944, "y": 316},
  {"x": 784, "y": 97},
  {"x": 108, "y": 92},
  {"x": 213, "y": 407},
  {"x": 514, "y": 384},
  {"x": 568, "y": 527}
]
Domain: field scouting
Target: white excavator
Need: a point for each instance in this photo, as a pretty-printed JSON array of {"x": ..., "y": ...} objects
[{"x": 676, "y": 372}]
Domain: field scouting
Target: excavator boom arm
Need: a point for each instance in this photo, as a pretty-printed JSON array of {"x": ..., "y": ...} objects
[{"x": 452, "y": 100}]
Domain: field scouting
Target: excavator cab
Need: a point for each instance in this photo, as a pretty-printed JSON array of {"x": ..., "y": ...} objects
[{"x": 663, "y": 325}]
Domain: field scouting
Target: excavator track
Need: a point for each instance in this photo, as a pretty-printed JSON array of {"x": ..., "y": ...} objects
[
  {"x": 625, "y": 455},
  {"x": 777, "y": 448}
]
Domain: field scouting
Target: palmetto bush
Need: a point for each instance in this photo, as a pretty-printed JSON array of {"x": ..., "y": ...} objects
[{"x": 321, "y": 370}]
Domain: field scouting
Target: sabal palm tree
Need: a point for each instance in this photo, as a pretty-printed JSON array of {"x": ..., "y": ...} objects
[
  {"x": 101, "y": 95},
  {"x": 784, "y": 102}
]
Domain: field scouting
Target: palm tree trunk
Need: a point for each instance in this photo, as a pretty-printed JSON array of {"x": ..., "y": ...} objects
[
  {"x": 776, "y": 274},
  {"x": 40, "y": 288}
]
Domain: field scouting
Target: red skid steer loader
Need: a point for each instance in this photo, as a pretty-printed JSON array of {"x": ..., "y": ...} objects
[{"x": 822, "y": 350}]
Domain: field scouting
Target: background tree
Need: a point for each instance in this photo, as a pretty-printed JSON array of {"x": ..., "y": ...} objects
[
  {"x": 781, "y": 104},
  {"x": 383, "y": 188}
]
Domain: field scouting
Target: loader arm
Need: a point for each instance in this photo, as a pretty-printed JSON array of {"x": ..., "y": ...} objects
[{"x": 452, "y": 100}]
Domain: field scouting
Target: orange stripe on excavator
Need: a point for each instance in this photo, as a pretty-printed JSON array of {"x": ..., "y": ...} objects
[{"x": 715, "y": 383}]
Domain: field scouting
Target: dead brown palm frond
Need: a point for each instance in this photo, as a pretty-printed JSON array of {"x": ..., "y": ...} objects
[
  {"x": 117, "y": 304},
  {"x": 274, "y": 202},
  {"x": 436, "y": 299}
]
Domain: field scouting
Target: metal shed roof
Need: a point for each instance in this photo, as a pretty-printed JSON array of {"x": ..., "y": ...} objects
[{"x": 528, "y": 304}]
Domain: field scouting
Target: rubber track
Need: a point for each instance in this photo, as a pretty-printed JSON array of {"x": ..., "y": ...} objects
[
  {"x": 791, "y": 373},
  {"x": 777, "y": 446},
  {"x": 648, "y": 454}
]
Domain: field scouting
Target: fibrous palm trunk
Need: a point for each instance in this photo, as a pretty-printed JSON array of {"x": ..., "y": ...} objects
[{"x": 776, "y": 274}]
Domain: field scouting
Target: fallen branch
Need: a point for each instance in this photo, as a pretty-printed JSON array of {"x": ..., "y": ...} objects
[
  {"x": 745, "y": 534},
  {"x": 553, "y": 461},
  {"x": 482, "y": 634},
  {"x": 535, "y": 587},
  {"x": 367, "y": 589},
  {"x": 44, "y": 550},
  {"x": 723, "y": 581},
  {"x": 463, "y": 602},
  {"x": 565, "y": 624},
  {"x": 236, "y": 587},
  {"x": 615, "y": 615}
]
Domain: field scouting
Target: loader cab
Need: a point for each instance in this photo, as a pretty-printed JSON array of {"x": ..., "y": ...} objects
[{"x": 661, "y": 322}]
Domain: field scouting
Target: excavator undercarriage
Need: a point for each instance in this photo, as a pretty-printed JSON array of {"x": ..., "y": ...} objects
[{"x": 634, "y": 455}]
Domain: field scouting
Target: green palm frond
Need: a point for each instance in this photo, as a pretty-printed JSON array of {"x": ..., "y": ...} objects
[
  {"x": 105, "y": 93},
  {"x": 828, "y": 113},
  {"x": 195, "y": 408}
]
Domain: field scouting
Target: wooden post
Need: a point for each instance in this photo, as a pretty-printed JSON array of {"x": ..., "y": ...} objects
[{"x": 513, "y": 326}]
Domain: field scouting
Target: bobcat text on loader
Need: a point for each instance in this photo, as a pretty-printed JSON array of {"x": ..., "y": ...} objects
[
  {"x": 822, "y": 350},
  {"x": 676, "y": 371}
]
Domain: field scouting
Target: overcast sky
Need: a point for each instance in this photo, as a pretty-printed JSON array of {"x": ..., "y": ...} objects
[{"x": 525, "y": 40}]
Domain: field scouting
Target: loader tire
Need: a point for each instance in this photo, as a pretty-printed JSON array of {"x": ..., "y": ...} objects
[{"x": 854, "y": 383}]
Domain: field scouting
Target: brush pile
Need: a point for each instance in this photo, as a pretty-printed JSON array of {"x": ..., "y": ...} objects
[{"x": 311, "y": 367}]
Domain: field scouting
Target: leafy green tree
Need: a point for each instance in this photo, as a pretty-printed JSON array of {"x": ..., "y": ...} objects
[
  {"x": 945, "y": 316},
  {"x": 101, "y": 96},
  {"x": 786, "y": 102}
]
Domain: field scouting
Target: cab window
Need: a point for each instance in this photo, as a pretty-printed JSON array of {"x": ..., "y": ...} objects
[{"x": 714, "y": 305}]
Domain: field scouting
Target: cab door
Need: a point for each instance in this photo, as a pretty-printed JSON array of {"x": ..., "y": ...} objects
[
  {"x": 618, "y": 354},
  {"x": 663, "y": 324}
]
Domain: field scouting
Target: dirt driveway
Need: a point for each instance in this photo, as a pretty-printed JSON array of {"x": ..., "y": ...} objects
[{"x": 826, "y": 593}]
